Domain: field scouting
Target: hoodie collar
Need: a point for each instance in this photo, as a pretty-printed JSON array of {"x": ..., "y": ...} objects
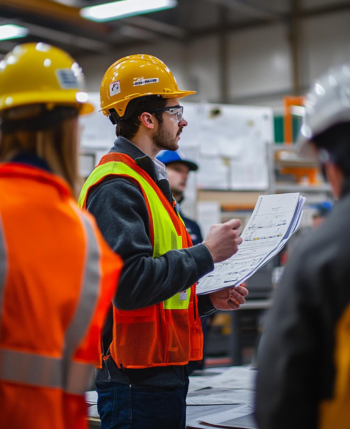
[{"x": 125, "y": 146}]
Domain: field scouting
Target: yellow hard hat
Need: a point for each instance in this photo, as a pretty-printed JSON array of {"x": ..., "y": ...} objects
[
  {"x": 36, "y": 73},
  {"x": 136, "y": 76}
]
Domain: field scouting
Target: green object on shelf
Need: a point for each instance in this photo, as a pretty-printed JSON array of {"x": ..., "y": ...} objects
[{"x": 279, "y": 128}]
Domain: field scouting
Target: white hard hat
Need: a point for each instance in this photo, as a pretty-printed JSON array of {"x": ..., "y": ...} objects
[{"x": 327, "y": 104}]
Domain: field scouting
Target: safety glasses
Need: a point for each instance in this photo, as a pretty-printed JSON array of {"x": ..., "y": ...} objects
[{"x": 177, "y": 111}]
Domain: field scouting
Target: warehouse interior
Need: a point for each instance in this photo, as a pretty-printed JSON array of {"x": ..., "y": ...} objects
[
  {"x": 230, "y": 51},
  {"x": 251, "y": 63}
]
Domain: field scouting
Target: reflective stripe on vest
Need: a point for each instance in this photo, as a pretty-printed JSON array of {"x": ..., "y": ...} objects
[
  {"x": 64, "y": 373},
  {"x": 166, "y": 237},
  {"x": 30, "y": 368},
  {"x": 83, "y": 313}
]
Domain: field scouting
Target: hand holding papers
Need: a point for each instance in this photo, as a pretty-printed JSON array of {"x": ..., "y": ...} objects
[
  {"x": 275, "y": 218},
  {"x": 223, "y": 240},
  {"x": 229, "y": 298}
]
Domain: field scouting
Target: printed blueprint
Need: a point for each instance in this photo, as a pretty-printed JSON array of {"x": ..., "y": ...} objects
[{"x": 275, "y": 218}]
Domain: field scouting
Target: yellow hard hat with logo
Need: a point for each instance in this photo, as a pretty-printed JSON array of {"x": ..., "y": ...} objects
[
  {"x": 37, "y": 73},
  {"x": 136, "y": 76}
]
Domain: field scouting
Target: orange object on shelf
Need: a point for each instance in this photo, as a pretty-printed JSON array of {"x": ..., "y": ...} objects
[
  {"x": 236, "y": 207},
  {"x": 288, "y": 122},
  {"x": 311, "y": 173}
]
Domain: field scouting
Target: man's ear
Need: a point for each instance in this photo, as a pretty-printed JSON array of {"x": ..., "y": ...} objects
[{"x": 147, "y": 120}]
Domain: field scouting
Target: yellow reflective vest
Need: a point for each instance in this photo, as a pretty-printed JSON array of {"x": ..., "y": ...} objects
[{"x": 168, "y": 333}]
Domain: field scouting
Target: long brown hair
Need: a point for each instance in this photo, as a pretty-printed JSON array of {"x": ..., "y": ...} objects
[{"x": 50, "y": 134}]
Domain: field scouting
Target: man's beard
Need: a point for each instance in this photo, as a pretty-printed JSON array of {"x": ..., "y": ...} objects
[{"x": 164, "y": 140}]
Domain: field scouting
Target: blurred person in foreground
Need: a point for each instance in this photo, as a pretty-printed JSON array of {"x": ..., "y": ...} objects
[
  {"x": 155, "y": 329},
  {"x": 304, "y": 358},
  {"x": 178, "y": 169},
  {"x": 57, "y": 275}
]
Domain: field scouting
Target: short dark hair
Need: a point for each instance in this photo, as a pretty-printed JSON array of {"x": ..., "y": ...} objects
[
  {"x": 336, "y": 141},
  {"x": 129, "y": 127}
]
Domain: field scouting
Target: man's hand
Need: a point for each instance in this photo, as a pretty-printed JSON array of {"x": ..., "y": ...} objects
[
  {"x": 223, "y": 240},
  {"x": 229, "y": 299}
]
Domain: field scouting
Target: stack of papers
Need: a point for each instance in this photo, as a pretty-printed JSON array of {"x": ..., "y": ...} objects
[
  {"x": 275, "y": 218},
  {"x": 223, "y": 400},
  {"x": 235, "y": 377}
]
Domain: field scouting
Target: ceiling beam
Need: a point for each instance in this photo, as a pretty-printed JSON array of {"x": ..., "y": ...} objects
[
  {"x": 63, "y": 37},
  {"x": 246, "y": 7},
  {"x": 7, "y": 46},
  {"x": 285, "y": 17},
  {"x": 157, "y": 27},
  {"x": 325, "y": 10},
  {"x": 135, "y": 33},
  {"x": 58, "y": 36},
  {"x": 55, "y": 11}
]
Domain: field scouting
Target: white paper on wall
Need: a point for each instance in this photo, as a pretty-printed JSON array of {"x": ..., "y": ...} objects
[
  {"x": 96, "y": 131},
  {"x": 208, "y": 214},
  {"x": 232, "y": 143},
  {"x": 86, "y": 164},
  {"x": 220, "y": 128},
  {"x": 248, "y": 175},
  {"x": 228, "y": 142},
  {"x": 213, "y": 173}
]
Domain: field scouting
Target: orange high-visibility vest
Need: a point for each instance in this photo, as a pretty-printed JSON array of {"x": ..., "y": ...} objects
[
  {"x": 168, "y": 333},
  {"x": 334, "y": 412},
  {"x": 57, "y": 279}
]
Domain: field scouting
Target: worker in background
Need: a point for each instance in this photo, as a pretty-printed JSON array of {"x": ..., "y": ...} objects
[
  {"x": 178, "y": 168},
  {"x": 57, "y": 275},
  {"x": 304, "y": 358},
  {"x": 156, "y": 328},
  {"x": 322, "y": 210}
]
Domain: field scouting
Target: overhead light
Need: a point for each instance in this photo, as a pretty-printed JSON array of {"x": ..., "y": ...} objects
[
  {"x": 124, "y": 8},
  {"x": 12, "y": 31}
]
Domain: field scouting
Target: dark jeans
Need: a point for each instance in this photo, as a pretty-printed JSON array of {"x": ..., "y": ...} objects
[{"x": 141, "y": 407}]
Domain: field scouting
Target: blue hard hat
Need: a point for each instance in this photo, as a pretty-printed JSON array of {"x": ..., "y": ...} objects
[
  {"x": 324, "y": 208},
  {"x": 169, "y": 156}
]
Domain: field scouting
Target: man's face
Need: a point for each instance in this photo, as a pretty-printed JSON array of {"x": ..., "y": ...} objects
[
  {"x": 317, "y": 220},
  {"x": 167, "y": 134},
  {"x": 177, "y": 176}
]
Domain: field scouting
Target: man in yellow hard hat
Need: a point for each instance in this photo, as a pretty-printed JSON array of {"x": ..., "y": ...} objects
[{"x": 155, "y": 328}]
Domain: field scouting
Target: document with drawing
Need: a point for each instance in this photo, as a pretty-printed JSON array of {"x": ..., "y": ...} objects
[{"x": 275, "y": 218}]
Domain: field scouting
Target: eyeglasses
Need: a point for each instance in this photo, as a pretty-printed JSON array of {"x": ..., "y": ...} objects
[{"x": 177, "y": 111}]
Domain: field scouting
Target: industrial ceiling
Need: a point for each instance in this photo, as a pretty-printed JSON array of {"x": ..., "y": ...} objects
[{"x": 59, "y": 22}]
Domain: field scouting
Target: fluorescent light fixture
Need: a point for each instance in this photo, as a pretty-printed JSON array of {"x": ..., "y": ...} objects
[
  {"x": 12, "y": 31},
  {"x": 124, "y": 8}
]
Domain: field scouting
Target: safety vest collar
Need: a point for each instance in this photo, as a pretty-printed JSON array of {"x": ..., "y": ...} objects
[
  {"x": 26, "y": 171},
  {"x": 127, "y": 160}
]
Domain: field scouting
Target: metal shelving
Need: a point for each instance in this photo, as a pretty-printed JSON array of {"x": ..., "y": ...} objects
[{"x": 313, "y": 192}]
